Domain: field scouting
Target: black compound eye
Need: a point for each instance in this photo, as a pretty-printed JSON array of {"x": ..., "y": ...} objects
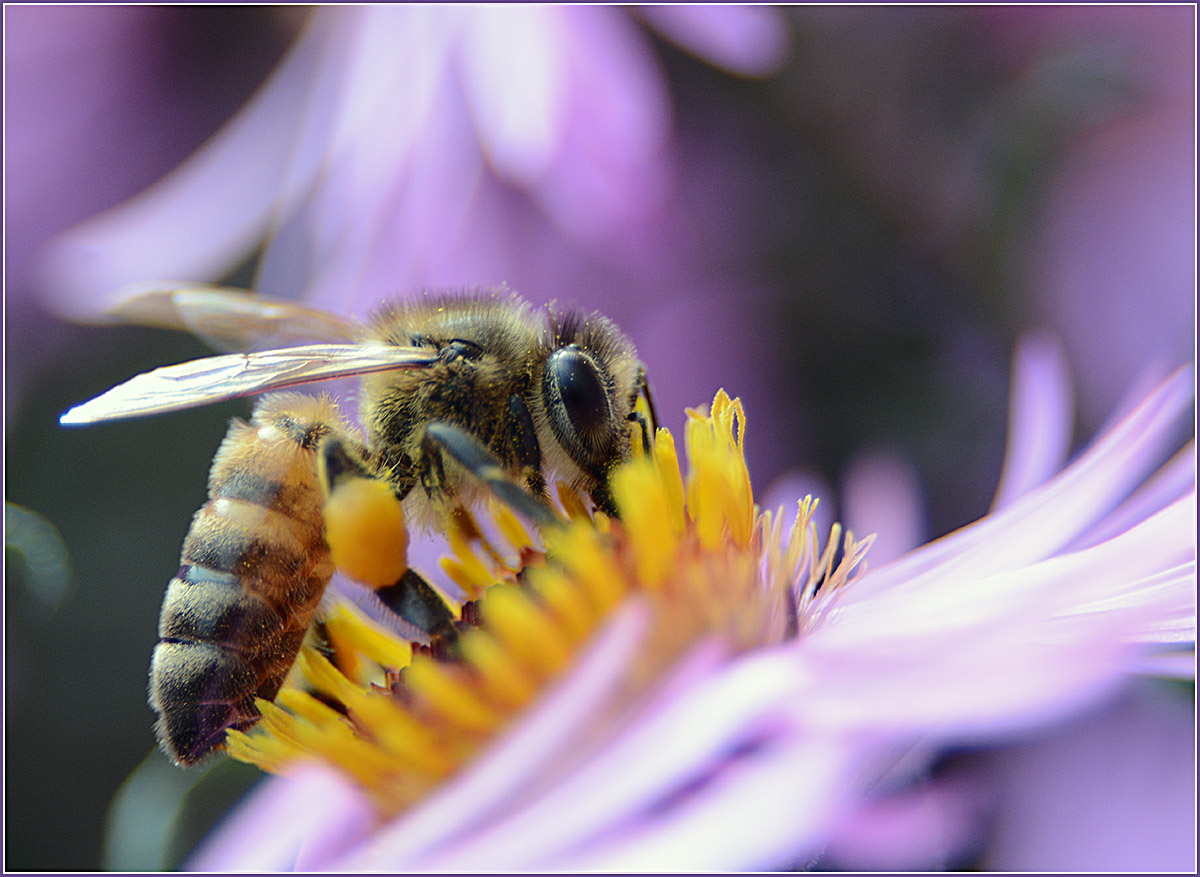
[{"x": 578, "y": 403}]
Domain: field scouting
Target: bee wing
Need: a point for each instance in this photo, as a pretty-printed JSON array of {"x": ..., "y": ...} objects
[
  {"x": 217, "y": 378},
  {"x": 232, "y": 319}
]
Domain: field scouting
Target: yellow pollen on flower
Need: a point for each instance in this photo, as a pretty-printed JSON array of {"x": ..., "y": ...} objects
[
  {"x": 465, "y": 568},
  {"x": 695, "y": 547},
  {"x": 572, "y": 502},
  {"x": 454, "y": 701},
  {"x": 509, "y": 683},
  {"x": 353, "y": 637}
]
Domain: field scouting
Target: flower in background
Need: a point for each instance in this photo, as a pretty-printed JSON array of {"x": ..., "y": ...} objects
[
  {"x": 744, "y": 699},
  {"x": 398, "y": 148},
  {"x": 385, "y": 153},
  {"x": 100, "y": 101},
  {"x": 1112, "y": 254}
]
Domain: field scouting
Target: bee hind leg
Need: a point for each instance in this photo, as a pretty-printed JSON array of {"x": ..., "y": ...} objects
[
  {"x": 415, "y": 600},
  {"x": 368, "y": 540}
]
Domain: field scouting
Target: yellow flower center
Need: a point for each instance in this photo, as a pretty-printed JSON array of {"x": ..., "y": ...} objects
[{"x": 696, "y": 550}]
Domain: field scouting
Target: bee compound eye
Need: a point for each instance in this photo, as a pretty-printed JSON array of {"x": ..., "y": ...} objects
[{"x": 578, "y": 403}]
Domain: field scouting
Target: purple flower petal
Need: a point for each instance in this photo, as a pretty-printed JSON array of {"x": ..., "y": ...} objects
[
  {"x": 881, "y": 494},
  {"x": 304, "y": 817},
  {"x": 1047, "y": 518},
  {"x": 1039, "y": 418},
  {"x": 611, "y": 169},
  {"x": 1173, "y": 480},
  {"x": 1112, "y": 791},
  {"x": 513, "y": 65},
  {"x": 751, "y": 40},
  {"x": 773, "y": 806},
  {"x": 929, "y": 827},
  {"x": 962, "y": 657},
  {"x": 186, "y": 226},
  {"x": 672, "y": 744},
  {"x": 503, "y": 776}
]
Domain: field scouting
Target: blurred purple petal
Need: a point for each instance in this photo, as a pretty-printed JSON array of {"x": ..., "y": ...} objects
[
  {"x": 929, "y": 827},
  {"x": 1112, "y": 791},
  {"x": 360, "y": 144},
  {"x": 751, "y": 40},
  {"x": 198, "y": 221},
  {"x": 611, "y": 169},
  {"x": 881, "y": 494},
  {"x": 307, "y": 816},
  {"x": 513, "y": 64},
  {"x": 1039, "y": 418},
  {"x": 1122, "y": 293},
  {"x": 1174, "y": 480},
  {"x": 772, "y": 805},
  {"x": 1179, "y": 665}
]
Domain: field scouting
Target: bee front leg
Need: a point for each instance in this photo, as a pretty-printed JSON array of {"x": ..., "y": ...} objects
[
  {"x": 468, "y": 452},
  {"x": 644, "y": 415},
  {"x": 368, "y": 540},
  {"x": 525, "y": 445}
]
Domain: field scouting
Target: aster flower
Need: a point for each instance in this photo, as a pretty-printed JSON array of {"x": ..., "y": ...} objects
[
  {"x": 383, "y": 152},
  {"x": 695, "y": 688}
]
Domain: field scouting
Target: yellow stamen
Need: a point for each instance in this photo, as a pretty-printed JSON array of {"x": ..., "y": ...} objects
[
  {"x": 452, "y": 698},
  {"x": 350, "y": 632},
  {"x": 503, "y": 677},
  {"x": 510, "y": 526},
  {"x": 572, "y": 503},
  {"x": 569, "y": 605},
  {"x": 466, "y": 569},
  {"x": 694, "y": 548},
  {"x": 595, "y": 571},
  {"x": 640, "y": 488},
  {"x": 375, "y": 712},
  {"x": 667, "y": 461},
  {"x": 526, "y": 631}
]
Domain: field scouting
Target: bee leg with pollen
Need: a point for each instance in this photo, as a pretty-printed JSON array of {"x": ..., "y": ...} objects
[{"x": 368, "y": 541}]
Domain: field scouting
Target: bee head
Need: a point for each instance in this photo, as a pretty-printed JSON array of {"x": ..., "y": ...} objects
[{"x": 590, "y": 382}]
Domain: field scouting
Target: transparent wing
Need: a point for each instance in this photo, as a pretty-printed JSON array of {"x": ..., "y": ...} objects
[
  {"x": 232, "y": 320},
  {"x": 217, "y": 378}
]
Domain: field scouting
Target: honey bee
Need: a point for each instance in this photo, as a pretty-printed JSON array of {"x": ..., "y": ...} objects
[{"x": 461, "y": 395}]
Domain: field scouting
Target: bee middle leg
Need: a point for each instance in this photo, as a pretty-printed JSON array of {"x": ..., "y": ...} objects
[{"x": 469, "y": 452}]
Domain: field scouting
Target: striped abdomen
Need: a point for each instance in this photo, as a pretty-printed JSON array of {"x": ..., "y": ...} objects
[{"x": 253, "y": 569}]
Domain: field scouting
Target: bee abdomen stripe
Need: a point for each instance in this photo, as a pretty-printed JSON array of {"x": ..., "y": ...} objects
[
  {"x": 210, "y": 675},
  {"x": 296, "y": 500},
  {"x": 188, "y": 734},
  {"x": 236, "y": 537},
  {"x": 212, "y": 606},
  {"x": 247, "y": 487}
]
